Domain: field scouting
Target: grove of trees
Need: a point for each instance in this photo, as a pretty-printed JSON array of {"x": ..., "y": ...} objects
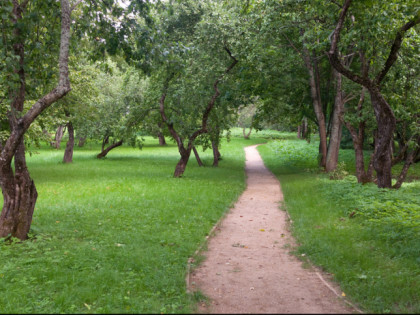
[{"x": 187, "y": 71}]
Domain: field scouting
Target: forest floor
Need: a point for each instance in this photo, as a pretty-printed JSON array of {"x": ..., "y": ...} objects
[{"x": 248, "y": 265}]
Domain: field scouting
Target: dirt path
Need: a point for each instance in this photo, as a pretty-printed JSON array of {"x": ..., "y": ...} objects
[{"x": 248, "y": 268}]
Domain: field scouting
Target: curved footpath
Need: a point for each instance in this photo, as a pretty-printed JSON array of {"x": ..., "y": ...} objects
[{"x": 248, "y": 267}]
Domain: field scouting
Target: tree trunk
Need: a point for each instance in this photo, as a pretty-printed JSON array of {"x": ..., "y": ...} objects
[
  {"x": 299, "y": 132},
  {"x": 59, "y": 136},
  {"x": 162, "y": 141},
  {"x": 197, "y": 157},
  {"x": 68, "y": 153},
  {"x": 336, "y": 126},
  {"x": 385, "y": 117},
  {"x": 409, "y": 160},
  {"x": 386, "y": 126},
  {"x": 105, "y": 151},
  {"x": 216, "y": 154},
  {"x": 246, "y": 134},
  {"x": 310, "y": 64},
  {"x": 185, "y": 153},
  {"x": 19, "y": 195},
  {"x": 358, "y": 137},
  {"x": 18, "y": 189},
  {"x": 81, "y": 141},
  {"x": 305, "y": 130},
  {"x": 105, "y": 141},
  {"x": 182, "y": 164}
]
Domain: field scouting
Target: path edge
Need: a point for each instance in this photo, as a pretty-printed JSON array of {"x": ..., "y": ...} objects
[
  {"x": 316, "y": 269},
  {"x": 212, "y": 231}
]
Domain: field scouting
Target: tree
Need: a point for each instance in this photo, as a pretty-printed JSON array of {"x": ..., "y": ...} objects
[
  {"x": 246, "y": 118},
  {"x": 288, "y": 49},
  {"x": 31, "y": 26},
  {"x": 383, "y": 112},
  {"x": 193, "y": 56},
  {"x": 118, "y": 92},
  {"x": 19, "y": 192},
  {"x": 185, "y": 149}
]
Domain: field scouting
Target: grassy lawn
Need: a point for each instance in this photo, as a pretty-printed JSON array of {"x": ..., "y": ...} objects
[
  {"x": 114, "y": 235},
  {"x": 368, "y": 238}
]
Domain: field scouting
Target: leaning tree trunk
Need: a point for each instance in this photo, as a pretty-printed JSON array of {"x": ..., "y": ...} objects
[
  {"x": 105, "y": 151},
  {"x": 68, "y": 153},
  {"x": 197, "y": 157},
  {"x": 408, "y": 161},
  {"x": 182, "y": 164},
  {"x": 19, "y": 198},
  {"x": 246, "y": 134},
  {"x": 105, "y": 141}
]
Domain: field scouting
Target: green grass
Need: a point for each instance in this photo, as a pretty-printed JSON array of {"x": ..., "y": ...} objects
[
  {"x": 369, "y": 238},
  {"x": 114, "y": 235},
  {"x": 265, "y": 134}
]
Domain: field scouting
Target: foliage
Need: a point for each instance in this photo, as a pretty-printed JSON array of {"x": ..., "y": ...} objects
[{"x": 340, "y": 172}]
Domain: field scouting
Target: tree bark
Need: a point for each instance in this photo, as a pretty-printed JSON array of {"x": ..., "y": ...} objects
[
  {"x": 19, "y": 198},
  {"x": 409, "y": 160},
  {"x": 18, "y": 189},
  {"x": 336, "y": 126},
  {"x": 162, "y": 141},
  {"x": 68, "y": 153},
  {"x": 106, "y": 151},
  {"x": 383, "y": 152},
  {"x": 197, "y": 157},
  {"x": 105, "y": 141},
  {"x": 59, "y": 136},
  {"x": 305, "y": 130},
  {"x": 216, "y": 154},
  {"x": 246, "y": 134},
  {"x": 358, "y": 136},
  {"x": 317, "y": 105},
  {"x": 182, "y": 164},
  {"x": 81, "y": 141}
]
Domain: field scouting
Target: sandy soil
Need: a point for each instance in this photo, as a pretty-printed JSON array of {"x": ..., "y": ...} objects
[{"x": 248, "y": 267}]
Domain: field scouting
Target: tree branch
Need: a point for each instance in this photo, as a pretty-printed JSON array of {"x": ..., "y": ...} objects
[
  {"x": 393, "y": 54},
  {"x": 75, "y": 5},
  {"x": 333, "y": 52},
  {"x": 214, "y": 97},
  {"x": 58, "y": 92}
]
